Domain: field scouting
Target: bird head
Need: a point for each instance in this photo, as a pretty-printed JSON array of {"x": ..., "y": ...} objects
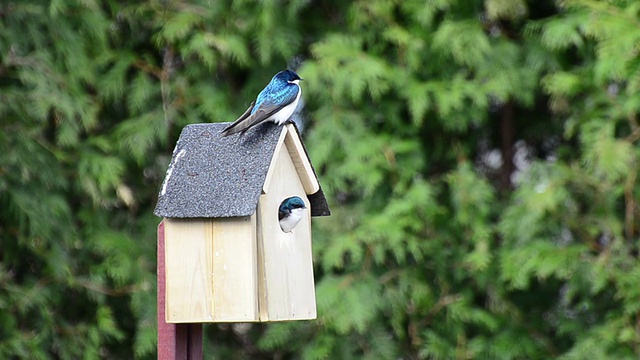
[
  {"x": 291, "y": 203},
  {"x": 289, "y": 76}
]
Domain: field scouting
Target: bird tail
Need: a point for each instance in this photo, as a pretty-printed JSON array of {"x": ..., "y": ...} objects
[
  {"x": 240, "y": 125},
  {"x": 231, "y": 129}
]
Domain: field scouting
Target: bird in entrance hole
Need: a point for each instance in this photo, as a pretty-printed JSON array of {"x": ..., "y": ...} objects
[
  {"x": 276, "y": 102},
  {"x": 290, "y": 213}
]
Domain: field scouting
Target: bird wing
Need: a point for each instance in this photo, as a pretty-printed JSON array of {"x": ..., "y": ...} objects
[
  {"x": 282, "y": 214},
  {"x": 263, "y": 113},
  {"x": 231, "y": 128},
  {"x": 265, "y": 109}
]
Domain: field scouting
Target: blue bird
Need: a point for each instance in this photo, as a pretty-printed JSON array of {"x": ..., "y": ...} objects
[
  {"x": 290, "y": 213},
  {"x": 276, "y": 102}
]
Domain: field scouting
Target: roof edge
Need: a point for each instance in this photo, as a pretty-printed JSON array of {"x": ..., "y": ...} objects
[{"x": 290, "y": 139}]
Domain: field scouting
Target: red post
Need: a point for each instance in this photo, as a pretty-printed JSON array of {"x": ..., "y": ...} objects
[{"x": 175, "y": 341}]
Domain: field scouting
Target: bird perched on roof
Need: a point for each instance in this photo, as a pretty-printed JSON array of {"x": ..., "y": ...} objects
[
  {"x": 290, "y": 213},
  {"x": 276, "y": 102}
]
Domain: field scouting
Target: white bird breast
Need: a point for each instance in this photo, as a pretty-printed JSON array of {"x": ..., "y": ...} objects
[
  {"x": 287, "y": 224},
  {"x": 283, "y": 115}
]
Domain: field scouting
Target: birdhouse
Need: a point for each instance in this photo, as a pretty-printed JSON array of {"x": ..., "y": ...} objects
[{"x": 227, "y": 259}]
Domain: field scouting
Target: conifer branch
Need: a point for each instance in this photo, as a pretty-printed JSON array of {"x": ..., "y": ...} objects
[
  {"x": 630, "y": 202},
  {"x": 106, "y": 290},
  {"x": 148, "y": 68},
  {"x": 635, "y": 129},
  {"x": 167, "y": 69}
]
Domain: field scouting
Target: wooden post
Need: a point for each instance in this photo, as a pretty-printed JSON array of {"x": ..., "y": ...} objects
[{"x": 175, "y": 341}]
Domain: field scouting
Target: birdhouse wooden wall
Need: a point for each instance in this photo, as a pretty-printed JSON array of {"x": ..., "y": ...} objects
[
  {"x": 211, "y": 270},
  {"x": 285, "y": 259},
  {"x": 244, "y": 268}
]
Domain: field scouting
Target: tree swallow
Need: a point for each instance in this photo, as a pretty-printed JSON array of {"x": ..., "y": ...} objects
[
  {"x": 290, "y": 213},
  {"x": 276, "y": 102}
]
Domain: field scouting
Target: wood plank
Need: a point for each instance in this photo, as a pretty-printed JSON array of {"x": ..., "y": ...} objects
[
  {"x": 286, "y": 286},
  {"x": 279, "y": 145},
  {"x": 235, "y": 289},
  {"x": 212, "y": 270},
  {"x": 167, "y": 333},
  {"x": 301, "y": 161},
  {"x": 263, "y": 300},
  {"x": 175, "y": 341},
  {"x": 194, "y": 341},
  {"x": 188, "y": 266}
]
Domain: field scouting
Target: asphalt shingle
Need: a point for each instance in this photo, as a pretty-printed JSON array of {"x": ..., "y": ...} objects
[{"x": 215, "y": 176}]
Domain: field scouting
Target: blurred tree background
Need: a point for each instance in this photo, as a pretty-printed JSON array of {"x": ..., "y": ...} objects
[{"x": 480, "y": 158}]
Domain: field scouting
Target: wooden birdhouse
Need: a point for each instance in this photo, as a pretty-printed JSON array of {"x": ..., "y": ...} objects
[{"x": 227, "y": 258}]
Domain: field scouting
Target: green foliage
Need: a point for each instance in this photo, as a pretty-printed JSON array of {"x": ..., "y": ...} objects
[{"x": 480, "y": 159}]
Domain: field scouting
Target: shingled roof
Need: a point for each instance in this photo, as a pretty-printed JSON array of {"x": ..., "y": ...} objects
[{"x": 215, "y": 176}]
